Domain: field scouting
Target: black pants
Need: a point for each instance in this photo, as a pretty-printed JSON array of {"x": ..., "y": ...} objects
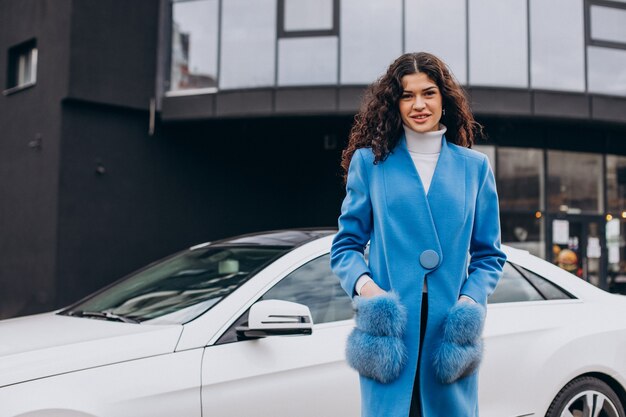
[{"x": 416, "y": 404}]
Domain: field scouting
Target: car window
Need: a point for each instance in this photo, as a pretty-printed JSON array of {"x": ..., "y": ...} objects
[
  {"x": 513, "y": 287},
  {"x": 315, "y": 286},
  {"x": 549, "y": 290},
  {"x": 181, "y": 287}
]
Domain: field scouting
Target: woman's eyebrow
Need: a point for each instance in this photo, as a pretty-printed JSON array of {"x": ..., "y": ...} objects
[{"x": 430, "y": 88}]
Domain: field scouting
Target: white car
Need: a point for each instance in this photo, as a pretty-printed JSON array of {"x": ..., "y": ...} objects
[{"x": 256, "y": 325}]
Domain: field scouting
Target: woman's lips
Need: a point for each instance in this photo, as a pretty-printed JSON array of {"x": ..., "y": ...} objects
[{"x": 417, "y": 119}]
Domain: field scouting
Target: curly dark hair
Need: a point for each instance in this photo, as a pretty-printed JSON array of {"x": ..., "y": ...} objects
[{"x": 378, "y": 123}]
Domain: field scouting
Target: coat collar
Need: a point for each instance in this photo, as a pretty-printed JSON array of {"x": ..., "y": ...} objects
[{"x": 443, "y": 168}]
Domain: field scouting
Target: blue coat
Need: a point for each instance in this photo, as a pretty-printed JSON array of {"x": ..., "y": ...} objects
[{"x": 459, "y": 220}]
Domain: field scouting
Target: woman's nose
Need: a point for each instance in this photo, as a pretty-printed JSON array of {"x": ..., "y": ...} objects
[{"x": 418, "y": 103}]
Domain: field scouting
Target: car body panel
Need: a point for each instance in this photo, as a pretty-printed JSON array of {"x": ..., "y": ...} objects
[
  {"x": 48, "y": 344},
  {"x": 53, "y": 365},
  {"x": 157, "y": 386}
]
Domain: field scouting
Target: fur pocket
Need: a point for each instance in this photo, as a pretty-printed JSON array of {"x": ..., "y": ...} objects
[
  {"x": 375, "y": 347},
  {"x": 461, "y": 348}
]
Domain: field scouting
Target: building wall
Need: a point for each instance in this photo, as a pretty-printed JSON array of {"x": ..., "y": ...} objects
[
  {"x": 30, "y": 123},
  {"x": 188, "y": 184}
]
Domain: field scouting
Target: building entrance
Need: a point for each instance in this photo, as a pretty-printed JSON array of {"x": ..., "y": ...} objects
[{"x": 577, "y": 243}]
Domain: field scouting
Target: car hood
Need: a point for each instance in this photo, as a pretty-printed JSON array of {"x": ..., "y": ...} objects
[{"x": 49, "y": 344}]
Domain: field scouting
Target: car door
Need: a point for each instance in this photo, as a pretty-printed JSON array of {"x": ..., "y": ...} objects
[
  {"x": 286, "y": 376},
  {"x": 525, "y": 315}
]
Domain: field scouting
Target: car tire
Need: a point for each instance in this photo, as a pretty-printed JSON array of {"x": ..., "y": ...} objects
[{"x": 583, "y": 396}]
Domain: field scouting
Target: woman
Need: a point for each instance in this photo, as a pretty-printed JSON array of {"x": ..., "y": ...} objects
[{"x": 428, "y": 206}]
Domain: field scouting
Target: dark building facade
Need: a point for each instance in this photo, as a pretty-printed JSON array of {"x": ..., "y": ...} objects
[{"x": 130, "y": 130}]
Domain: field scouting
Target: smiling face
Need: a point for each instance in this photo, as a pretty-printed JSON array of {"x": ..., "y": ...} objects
[{"x": 420, "y": 103}]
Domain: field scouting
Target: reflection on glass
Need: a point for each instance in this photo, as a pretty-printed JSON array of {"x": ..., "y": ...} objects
[
  {"x": 575, "y": 182},
  {"x": 520, "y": 178},
  {"x": 616, "y": 184},
  {"x": 608, "y": 24},
  {"x": 307, "y": 61},
  {"x": 513, "y": 288},
  {"x": 523, "y": 231},
  {"x": 498, "y": 43},
  {"x": 194, "y": 45},
  {"x": 557, "y": 45},
  {"x": 607, "y": 70},
  {"x": 315, "y": 286},
  {"x": 180, "y": 288},
  {"x": 308, "y": 15},
  {"x": 616, "y": 245},
  {"x": 372, "y": 26},
  {"x": 438, "y": 27},
  {"x": 248, "y": 43}
]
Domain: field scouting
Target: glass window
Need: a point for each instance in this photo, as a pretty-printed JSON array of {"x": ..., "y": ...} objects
[
  {"x": 438, "y": 27},
  {"x": 248, "y": 51},
  {"x": 616, "y": 184},
  {"x": 513, "y": 287},
  {"x": 608, "y": 24},
  {"x": 315, "y": 286},
  {"x": 520, "y": 178},
  {"x": 498, "y": 50},
  {"x": 308, "y": 15},
  {"x": 22, "y": 65},
  {"x": 523, "y": 231},
  {"x": 490, "y": 151},
  {"x": 557, "y": 45},
  {"x": 549, "y": 290},
  {"x": 373, "y": 26},
  {"x": 194, "y": 44},
  {"x": 575, "y": 182},
  {"x": 307, "y": 61},
  {"x": 616, "y": 245},
  {"x": 607, "y": 70},
  {"x": 180, "y": 288}
]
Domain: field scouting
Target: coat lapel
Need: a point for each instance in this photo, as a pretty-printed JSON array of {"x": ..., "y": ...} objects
[{"x": 407, "y": 202}]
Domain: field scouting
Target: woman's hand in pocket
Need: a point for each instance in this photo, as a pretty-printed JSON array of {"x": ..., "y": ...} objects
[{"x": 371, "y": 289}]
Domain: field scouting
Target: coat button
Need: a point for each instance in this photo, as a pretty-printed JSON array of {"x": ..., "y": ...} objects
[{"x": 429, "y": 259}]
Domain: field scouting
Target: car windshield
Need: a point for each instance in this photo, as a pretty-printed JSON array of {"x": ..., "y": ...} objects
[{"x": 180, "y": 288}]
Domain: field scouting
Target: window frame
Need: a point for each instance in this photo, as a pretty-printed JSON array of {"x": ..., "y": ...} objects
[
  {"x": 282, "y": 33},
  {"x": 16, "y": 53}
]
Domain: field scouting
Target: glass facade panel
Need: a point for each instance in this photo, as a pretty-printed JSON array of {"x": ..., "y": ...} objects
[
  {"x": 194, "y": 44},
  {"x": 438, "y": 27},
  {"x": 523, "y": 231},
  {"x": 616, "y": 246},
  {"x": 498, "y": 44},
  {"x": 575, "y": 182},
  {"x": 490, "y": 151},
  {"x": 248, "y": 43},
  {"x": 608, "y": 24},
  {"x": 307, "y": 61},
  {"x": 308, "y": 15},
  {"x": 520, "y": 179},
  {"x": 616, "y": 184},
  {"x": 373, "y": 26},
  {"x": 557, "y": 45},
  {"x": 607, "y": 70}
]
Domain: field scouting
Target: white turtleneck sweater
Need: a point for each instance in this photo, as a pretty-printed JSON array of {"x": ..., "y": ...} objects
[{"x": 424, "y": 149}]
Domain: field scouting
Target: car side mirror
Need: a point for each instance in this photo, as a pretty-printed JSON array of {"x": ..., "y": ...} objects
[{"x": 276, "y": 318}]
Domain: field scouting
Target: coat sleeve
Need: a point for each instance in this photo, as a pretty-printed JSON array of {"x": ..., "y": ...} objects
[
  {"x": 355, "y": 225},
  {"x": 486, "y": 257}
]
